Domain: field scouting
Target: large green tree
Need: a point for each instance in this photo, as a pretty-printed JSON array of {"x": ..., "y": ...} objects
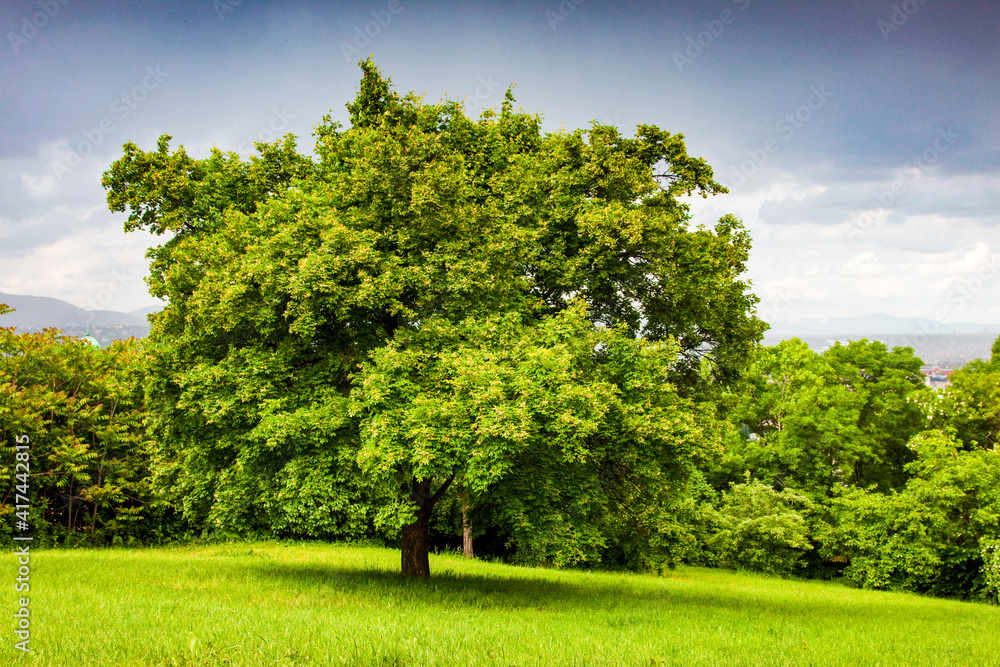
[{"x": 340, "y": 328}]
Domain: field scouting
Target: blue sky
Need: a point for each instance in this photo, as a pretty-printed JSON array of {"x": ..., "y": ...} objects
[{"x": 860, "y": 140}]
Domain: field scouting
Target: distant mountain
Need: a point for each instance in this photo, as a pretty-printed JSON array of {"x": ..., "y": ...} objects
[
  {"x": 38, "y": 312},
  {"x": 142, "y": 312},
  {"x": 34, "y": 313},
  {"x": 870, "y": 325}
]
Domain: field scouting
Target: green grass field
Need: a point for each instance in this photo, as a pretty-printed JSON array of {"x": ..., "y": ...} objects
[{"x": 273, "y": 604}]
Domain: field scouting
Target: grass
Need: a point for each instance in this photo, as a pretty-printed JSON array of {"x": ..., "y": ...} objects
[{"x": 273, "y": 604}]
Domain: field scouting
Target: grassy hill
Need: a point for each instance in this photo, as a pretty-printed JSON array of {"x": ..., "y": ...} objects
[{"x": 274, "y": 604}]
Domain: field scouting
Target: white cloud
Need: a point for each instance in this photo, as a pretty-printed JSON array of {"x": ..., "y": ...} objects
[
  {"x": 38, "y": 185},
  {"x": 864, "y": 264},
  {"x": 97, "y": 268}
]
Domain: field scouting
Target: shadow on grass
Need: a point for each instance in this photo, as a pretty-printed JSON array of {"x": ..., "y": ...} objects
[{"x": 511, "y": 591}]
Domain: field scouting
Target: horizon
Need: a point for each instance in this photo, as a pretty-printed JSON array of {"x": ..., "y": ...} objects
[
  {"x": 936, "y": 346},
  {"x": 819, "y": 320}
]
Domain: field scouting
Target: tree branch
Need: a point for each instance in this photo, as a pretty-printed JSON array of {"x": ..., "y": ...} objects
[{"x": 442, "y": 489}]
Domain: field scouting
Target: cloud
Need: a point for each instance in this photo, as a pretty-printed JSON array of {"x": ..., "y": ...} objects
[
  {"x": 864, "y": 264},
  {"x": 827, "y": 239},
  {"x": 97, "y": 268}
]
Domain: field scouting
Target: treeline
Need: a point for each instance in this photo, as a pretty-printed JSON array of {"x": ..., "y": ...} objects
[
  {"x": 81, "y": 408},
  {"x": 845, "y": 464},
  {"x": 840, "y": 464}
]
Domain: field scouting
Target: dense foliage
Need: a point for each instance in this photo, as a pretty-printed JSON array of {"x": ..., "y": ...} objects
[
  {"x": 81, "y": 410},
  {"x": 902, "y": 482},
  {"x": 937, "y": 531},
  {"x": 432, "y": 301}
]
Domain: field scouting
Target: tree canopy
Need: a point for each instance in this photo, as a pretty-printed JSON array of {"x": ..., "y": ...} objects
[
  {"x": 79, "y": 408},
  {"x": 433, "y": 301},
  {"x": 823, "y": 420}
]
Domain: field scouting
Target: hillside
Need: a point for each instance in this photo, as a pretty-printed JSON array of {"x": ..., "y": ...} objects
[
  {"x": 317, "y": 604},
  {"x": 34, "y": 313}
]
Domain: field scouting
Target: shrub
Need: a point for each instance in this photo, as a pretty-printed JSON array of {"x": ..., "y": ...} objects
[
  {"x": 761, "y": 529},
  {"x": 932, "y": 536}
]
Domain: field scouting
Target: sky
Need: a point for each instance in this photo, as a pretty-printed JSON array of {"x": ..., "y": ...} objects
[{"x": 860, "y": 141}]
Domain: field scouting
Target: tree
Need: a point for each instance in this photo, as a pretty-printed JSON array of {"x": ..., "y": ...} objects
[
  {"x": 932, "y": 536},
  {"x": 761, "y": 529},
  {"x": 81, "y": 408},
  {"x": 308, "y": 300},
  {"x": 939, "y": 533},
  {"x": 971, "y": 402},
  {"x": 821, "y": 421}
]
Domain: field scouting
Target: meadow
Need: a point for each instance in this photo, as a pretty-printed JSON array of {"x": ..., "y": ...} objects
[{"x": 250, "y": 604}]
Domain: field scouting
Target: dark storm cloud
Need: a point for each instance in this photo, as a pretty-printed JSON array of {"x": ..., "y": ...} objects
[{"x": 808, "y": 111}]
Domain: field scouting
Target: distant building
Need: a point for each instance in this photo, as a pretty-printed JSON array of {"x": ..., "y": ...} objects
[{"x": 937, "y": 378}]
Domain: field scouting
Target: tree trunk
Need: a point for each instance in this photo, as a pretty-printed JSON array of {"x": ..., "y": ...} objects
[
  {"x": 466, "y": 528},
  {"x": 415, "y": 544},
  {"x": 93, "y": 517},
  {"x": 415, "y": 536},
  {"x": 69, "y": 509}
]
